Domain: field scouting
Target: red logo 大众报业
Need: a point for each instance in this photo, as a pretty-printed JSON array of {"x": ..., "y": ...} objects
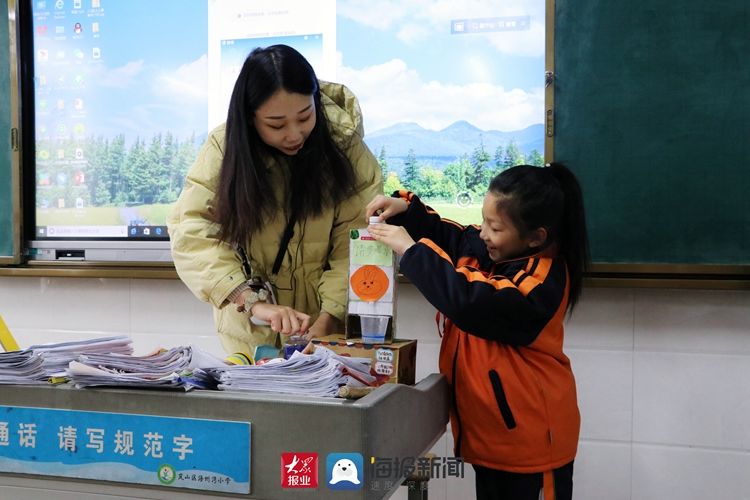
[{"x": 299, "y": 470}]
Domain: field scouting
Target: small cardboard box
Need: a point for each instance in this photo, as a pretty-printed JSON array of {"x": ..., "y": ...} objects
[{"x": 397, "y": 359}]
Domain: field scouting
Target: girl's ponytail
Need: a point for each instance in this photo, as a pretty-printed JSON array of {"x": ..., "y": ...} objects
[{"x": 573, "y": 239}]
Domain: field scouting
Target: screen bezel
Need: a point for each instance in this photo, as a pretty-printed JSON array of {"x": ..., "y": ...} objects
[{"x": 95, "y": 249}]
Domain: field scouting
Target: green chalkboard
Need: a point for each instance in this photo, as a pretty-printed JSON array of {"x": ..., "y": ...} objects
[
  {"x": 7, "y": 229},
  {"x": 652, "y": 107}
]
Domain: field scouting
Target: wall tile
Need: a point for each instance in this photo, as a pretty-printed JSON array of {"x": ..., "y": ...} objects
[
  {"x": 602, "y": 318},
  {"x": 707, "y": 321},
  {"x": 168, "y": 307},
  {"x": 427, "y": 358},
  {"x": 602, "y": 470},
  {"x": 661, "y": 472},
  {"x": 27, "y": 337},
  {"x": 415, "y": 317},
  {"x": 692, "y": 400},
  {"x": 459, "y": 487},
  {"x": 605, "y": 393},
  {"x": 77, "y": 304}
]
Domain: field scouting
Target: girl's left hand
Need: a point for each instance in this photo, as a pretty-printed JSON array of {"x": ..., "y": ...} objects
[{"x": 395, "y": 237}]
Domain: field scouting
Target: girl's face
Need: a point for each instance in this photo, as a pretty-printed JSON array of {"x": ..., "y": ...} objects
[
  {"x": 285, "y": 121},
  {"x": 500, "y": 235}
]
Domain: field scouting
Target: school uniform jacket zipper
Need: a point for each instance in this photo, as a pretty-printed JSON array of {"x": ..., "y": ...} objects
[{"x": 459, "y": 428}]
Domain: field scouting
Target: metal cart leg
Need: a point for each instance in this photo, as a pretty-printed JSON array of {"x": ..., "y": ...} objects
[
  {"x": 417, "y": 488},
  {"x": 418, "y": 481}
]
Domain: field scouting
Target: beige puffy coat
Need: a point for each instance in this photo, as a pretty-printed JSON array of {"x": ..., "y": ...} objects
[{"x": 314, "y": 273}]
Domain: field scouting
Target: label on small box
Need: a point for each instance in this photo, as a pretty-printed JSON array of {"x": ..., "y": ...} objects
[
  {"x": 383, "y": 368},
  {"x": 385, "y": 355}
]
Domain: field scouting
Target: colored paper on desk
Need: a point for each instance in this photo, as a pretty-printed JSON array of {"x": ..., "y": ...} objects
[{"x": 266, "y": 351}]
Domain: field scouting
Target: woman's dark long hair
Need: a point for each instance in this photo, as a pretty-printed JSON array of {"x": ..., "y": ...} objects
[
  {"x": 548, "y": 197},
  {"x": 321, "y": 175}
]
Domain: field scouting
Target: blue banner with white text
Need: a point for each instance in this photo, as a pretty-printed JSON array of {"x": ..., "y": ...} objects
[{"x": 164, "y": 451}]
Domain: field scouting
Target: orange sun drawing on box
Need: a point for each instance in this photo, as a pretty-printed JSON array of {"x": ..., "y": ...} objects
[{"x": 369, "y": 283}]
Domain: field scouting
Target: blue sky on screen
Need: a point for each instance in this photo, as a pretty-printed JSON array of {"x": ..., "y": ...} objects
[
  {"x": 398, "y": 56},
  {"x": 153, "y": 77}
]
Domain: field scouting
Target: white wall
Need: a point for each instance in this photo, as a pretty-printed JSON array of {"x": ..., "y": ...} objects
[{"x": 663, "y": 375}]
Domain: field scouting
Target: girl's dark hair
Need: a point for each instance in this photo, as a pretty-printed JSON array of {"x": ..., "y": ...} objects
[
  {"x": 321, "y": 175},
  {"x": 548, "y": 197}
]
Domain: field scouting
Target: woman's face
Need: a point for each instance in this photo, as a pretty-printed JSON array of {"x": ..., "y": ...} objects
[{"x": 285, "y": 121}]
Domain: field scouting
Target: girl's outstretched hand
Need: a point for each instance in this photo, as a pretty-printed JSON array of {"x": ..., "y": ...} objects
[
  {"x": 389, "y": 207},
  {"x": 395, "y": 237}
]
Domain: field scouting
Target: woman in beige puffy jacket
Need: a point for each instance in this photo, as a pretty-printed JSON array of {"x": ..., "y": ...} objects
[{"x": 291, "y": 149}]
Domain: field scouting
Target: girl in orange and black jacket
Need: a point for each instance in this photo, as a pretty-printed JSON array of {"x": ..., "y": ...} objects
[{"x": 504, "y": 289}]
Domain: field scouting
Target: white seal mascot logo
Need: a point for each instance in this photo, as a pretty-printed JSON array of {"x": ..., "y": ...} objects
[{"x": 344, "y": 470}]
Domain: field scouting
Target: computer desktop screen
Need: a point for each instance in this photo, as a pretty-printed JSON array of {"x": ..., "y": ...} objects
[{"x": 119, "y": 95}]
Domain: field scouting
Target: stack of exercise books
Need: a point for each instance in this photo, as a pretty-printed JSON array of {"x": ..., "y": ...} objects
[
  {"x": 22, "y": 367},
  {"x": 57, "y": 356},
  {"x": 318, "y": 374},
  {"x": 176, "y": 368},
  {"x": 109, "y": 362}
]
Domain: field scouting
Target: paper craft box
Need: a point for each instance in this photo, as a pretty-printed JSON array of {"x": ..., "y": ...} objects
[
  {"x": 372, "y": 283},
  {"x": 398, "y": 359}
]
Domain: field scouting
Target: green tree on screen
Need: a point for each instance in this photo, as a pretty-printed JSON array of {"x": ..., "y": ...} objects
[
  {"x": 480, "y": 173},
  {"x": 164, "y": 181},
  {"x": 113, "y": 170},
  {"x": 498, "y": 159},
  {"x": 411, "y": 171},
  {"x": 513, "y": 156},
  {"x": 535, "y": 158},
  {"x": 433, "y": 184},
  {"x": 392, "y": 183},
  {"x": 135, "y": 174},
  {"x": 458, "y": 173},
  {"x": 383, "y": 162},
  {"x": 186, "y": 152}
]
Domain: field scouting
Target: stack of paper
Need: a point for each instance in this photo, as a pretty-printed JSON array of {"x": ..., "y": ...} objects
[
  {"x": 317, "y": 374},
  {"x": 57, "y": 356},
  {"x": 21, "y": 367},
  {"x": 173, "y": 368}
]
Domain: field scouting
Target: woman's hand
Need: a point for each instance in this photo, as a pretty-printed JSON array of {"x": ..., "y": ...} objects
[
  {"x": 324, "y": 325},
  {"x": 395, "y": 237},
  {"x": 389, "y": 207},
  {"x": 282, "y": 319}
]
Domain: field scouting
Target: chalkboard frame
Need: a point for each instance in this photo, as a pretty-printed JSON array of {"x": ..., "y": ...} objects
[{"x": 14, "y": 144}]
